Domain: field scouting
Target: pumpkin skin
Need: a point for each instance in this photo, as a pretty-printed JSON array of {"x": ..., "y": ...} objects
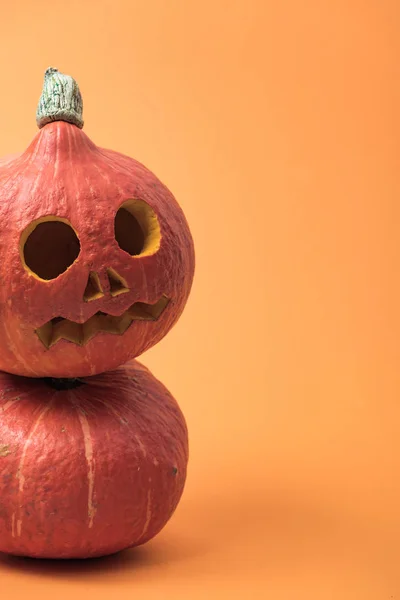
[
  {"x": 88, "y": 471},
  {"x": 64, "y": 178}
]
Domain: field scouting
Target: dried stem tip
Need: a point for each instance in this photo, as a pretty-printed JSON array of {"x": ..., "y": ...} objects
[{"x": 61, "y": 100}]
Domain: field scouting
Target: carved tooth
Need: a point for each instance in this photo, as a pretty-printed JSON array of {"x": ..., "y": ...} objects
[
  {"x": 44, "y": 333},
  {"x": 67, "y": 330},
  {"x": 148, "y": 312},
  {"x": 59, "y": 328}
]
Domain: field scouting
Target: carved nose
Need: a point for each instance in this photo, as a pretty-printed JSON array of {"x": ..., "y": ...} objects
[
  {"x": 117, "y": 283},
  {"x": 94, "y": 290}
]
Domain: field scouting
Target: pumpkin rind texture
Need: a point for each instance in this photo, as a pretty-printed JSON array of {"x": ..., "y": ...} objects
[
  {"x": 111, "y": 301},
  {"x": 88, "y": 471}
]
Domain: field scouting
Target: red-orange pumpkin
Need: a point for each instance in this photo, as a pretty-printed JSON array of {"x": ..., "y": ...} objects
[
  {"x": 91, "y": 470},
  {"x": 96, "y": 257}
]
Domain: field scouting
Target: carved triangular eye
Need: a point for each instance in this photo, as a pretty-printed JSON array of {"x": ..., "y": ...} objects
[
  {"x": 93, "y": 289},
  {"x": 118, "y": 284}
]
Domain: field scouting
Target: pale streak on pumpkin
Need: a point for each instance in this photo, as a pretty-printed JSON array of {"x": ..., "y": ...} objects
[
  {"x": 88, "y": 143},
  {"x": 87, "y": 441},
  {"x": 19, "y": 474},
  {"x": 101, "y": 173},
  {"x": 13, "y": 401},
  {"x": 19, "y": 527},
  {"x": 91, "y": 366},
  {"x": 148, "y": 515},
  {"x": 143, "y": 271},
  {"x": 32, "y": 432},
  {"x": 88, "y": 358},
  {"x": 141, "y": 446},
  {"x": 110, "y": 408},
  {"x": 13, "y": 525}
]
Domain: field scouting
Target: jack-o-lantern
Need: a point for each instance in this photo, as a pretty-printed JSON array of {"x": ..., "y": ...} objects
[{"x": 97, "y": 259}]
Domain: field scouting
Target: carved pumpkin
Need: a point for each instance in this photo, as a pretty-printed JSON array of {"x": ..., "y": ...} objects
[
  {"x": 91, "y": 470},
  {"x": 97, "y": 258}
]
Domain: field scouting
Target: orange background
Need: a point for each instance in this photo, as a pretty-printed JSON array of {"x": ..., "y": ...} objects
[{"x": 276, "y": 126}]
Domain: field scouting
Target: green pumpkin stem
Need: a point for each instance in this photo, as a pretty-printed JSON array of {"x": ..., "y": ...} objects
[{"x": 61, "y": 100}]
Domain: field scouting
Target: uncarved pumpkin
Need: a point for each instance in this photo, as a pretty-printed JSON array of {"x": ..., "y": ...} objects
[
  {"x": 97, "y": 259},
  {"x": 90, "y": 470}
]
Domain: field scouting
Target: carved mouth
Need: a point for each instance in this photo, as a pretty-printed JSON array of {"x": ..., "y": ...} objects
[{"x": 81, "y": 333}]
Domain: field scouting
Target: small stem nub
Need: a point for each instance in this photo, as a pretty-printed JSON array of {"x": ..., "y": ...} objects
[{"x": 61, "y": 100}]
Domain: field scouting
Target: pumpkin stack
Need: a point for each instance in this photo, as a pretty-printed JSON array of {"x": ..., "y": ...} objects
[{"x": 97, "y": 263}]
